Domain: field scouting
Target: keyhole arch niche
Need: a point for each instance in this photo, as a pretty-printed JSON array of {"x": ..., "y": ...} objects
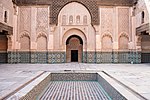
[{"x": 75, "y": 43}]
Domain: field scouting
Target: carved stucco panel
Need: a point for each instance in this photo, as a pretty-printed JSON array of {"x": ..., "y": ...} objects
[
  {"x": 25, "y": 19},
  {"x": 123, "y": 20},
  {"x": 42, "y": 19},
  {"x": 107, "y": 20}
]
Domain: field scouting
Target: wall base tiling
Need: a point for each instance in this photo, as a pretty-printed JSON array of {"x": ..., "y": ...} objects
[
  {"x": 74, "y": 76},
  {"x": 111, "y": 57},
  {"x": 60, "y": 57},
  {"x": 119, "y": 57},
  {"x": 134, "y": 57},
  {"x": 91, "y": 57},
  {"x": 84, "y": 57},
  {"x": 104, "y": 57},
  {"x": 36, "y": 57}
]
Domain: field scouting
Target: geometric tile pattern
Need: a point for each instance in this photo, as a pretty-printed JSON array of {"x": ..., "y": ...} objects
[
  {"x": 115, "y": 57},
  {"x": 118, "y": 57},
  {"x": 84, "y": 57},
  {"x": 13, "y": 57},
  {"x": 73, "y": 76},
  {"x": 104, "y": 57},
  {"x": 56, "y": 57},
  {"x": 60, "y": 57},
  {"x": 36, "y": 57},
  {"x": 41, "y": 57},
  {"x": 123, "y": 57},
  {"x": 91, "y": 57},
  {"x": 24, "y": 57},
  {"x": 135, "y": 57}
]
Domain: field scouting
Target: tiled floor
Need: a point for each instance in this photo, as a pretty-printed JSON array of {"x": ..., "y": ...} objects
[{"x": 74, "y": 90}]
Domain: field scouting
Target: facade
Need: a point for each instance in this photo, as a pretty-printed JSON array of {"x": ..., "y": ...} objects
[{"x": 87, "y": 31}]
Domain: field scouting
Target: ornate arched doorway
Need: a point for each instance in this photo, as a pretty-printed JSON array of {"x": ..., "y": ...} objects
[{"x": 74, "y": 49}]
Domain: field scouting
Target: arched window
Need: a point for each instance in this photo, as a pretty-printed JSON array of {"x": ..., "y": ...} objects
[
  {"x": 71, "y": 19},
  {"x": 143, "y": 15},
  {"x": 78, "y": 19},
  {"x": 85, "y": 19},
  {"x": 64, "y": 19},
  {"x": 5, "y": 16}
]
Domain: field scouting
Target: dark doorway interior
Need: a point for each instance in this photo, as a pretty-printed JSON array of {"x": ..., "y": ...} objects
[
  {"x": 74, "y": 49},
  {"x": 145, "y": 56},
  {"x": 74, "y": 55},
  {"x": 3, "y": 48}
]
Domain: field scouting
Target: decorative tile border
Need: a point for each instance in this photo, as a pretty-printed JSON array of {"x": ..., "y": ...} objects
[
  {"x": 60, "y": 57},
  {"x": 73, "y": 76},
  {"x": 123, "y": 57},
  {"x": 36, "y": 57},
  {"x": 104, "y": 57},
  {"x": 91, "y": 57},
  {"x": 57, "y": 57}
]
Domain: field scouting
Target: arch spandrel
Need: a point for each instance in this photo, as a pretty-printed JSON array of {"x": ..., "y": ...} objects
[
  {"x": 91, "y": 6},
  {"x": 74, "y": 13}
]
